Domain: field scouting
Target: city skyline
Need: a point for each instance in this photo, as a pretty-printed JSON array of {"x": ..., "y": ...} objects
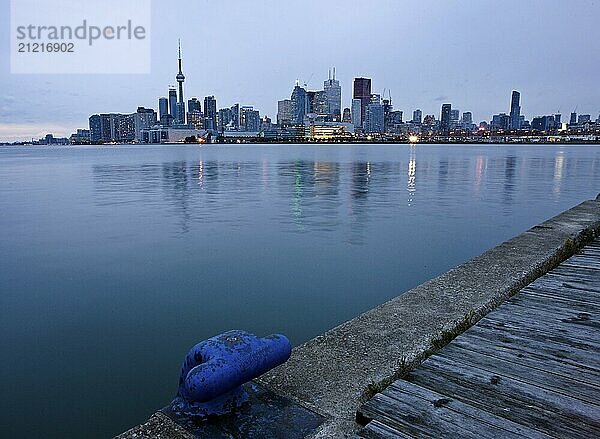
[{"x": 422, "y": 66}]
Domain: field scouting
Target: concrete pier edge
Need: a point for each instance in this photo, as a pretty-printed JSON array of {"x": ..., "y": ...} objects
[{"x": 335, "y": 372}]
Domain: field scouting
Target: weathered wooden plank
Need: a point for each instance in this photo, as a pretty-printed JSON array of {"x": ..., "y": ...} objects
[
  {"x": 559, "y": 288},
  {"x": 588, "y": 263},
  {"x": 565, "y": 316},
  {"x": 537, "y": 358},
  {"x": 581, "y": 282},
  {"x": 378, "y": 430},
  {"x": 402, "y": 390},
  {"x": 413, "y": 415},
  {"x": 590, "y": 274},
  {"x": 521, "y": 403},
  {"x": 579, "y": 333},
  {"x": 542, "y": 334},
  {"x": 563, "y": 294},
  {"x": 544, "y": 378},
  {"x": 557, "y": 305}
]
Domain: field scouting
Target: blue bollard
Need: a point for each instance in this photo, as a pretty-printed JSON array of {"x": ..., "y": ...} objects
[{"x": 214, "y": 370}]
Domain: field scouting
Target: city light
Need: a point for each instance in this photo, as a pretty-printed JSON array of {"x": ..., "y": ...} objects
[{"x": 413, "y": 139}]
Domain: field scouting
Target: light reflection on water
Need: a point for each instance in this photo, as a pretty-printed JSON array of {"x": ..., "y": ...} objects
[{"x": 115, "y": 260}]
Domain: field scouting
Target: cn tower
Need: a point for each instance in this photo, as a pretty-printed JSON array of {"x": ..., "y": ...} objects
[{"x": 181, "y": 79}]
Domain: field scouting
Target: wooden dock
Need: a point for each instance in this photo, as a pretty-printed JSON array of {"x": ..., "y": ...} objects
[{"x": 530, "y": 368}]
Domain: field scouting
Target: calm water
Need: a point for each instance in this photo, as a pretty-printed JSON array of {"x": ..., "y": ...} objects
[{"x": 114, "y": 261}]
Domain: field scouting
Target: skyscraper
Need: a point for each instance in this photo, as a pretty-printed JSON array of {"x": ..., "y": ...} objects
[
  {"x": 417, "y": 117},
  {"x": 515, "y": 111},
  {"x": 173, "y": 102},
  {"x": 299, "y": 104},
  {"x": 163, "y": 108},
  {"x": 346, "y": 116},
  {"x": 454, "y": 117},
  {"x": 333, "y": 98},
  {"x": 445, "y": 117},
  {"x": 356, "y": 113},
  {"x": 375, "y": 119},
  {"x": 362, "y": 91},
  {"x": 284, "y": 112},
  {"x": 573, "y": 120},
  {"x": 210, "y": 112},
  {"x": 194, "y": 105},
  {"x": 180, "y": 80}
]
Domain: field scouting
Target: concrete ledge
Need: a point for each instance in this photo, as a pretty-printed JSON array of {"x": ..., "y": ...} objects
[{"x": 333, "y": 373}]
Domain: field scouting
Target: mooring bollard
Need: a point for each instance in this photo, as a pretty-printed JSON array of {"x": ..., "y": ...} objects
[{"x": 214, "y": 370}]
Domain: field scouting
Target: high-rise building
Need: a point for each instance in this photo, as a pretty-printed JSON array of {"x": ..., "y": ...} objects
[
  {"x": 163, "y": 108},
  {"x": 417, "y": 117},
  {"x": 317, "y": 103},
  {"x": 95, "y": 128},
  {"x": 445, "y": 117},
  {"x": 284, "y": 112},
  {"x": 194, "y": 105},
  {"x": 467, "y": 119},
  {"x": 357, "y": 113},
  {"x": 210, "y": 113},
  {"x": 180, "y": 80},
  {"x": 454, "y": 117},
  {"x": 584, "y": 118},
  {"x": 299, "y": 104},
  {"x": 515, "y": 111},
  {"x": 362, "y": 91},
  {"x": 333, "y": 98},
  {"x": 500, "y": 122},
  {"x": 144, "y": 118},
  {"x": 346, "y": 116},
  {"x": 375, "y": 120},
  {"x": 249, "y": 119},
  {"x": 573, "y": 120},
  {"x": 224, "y": 119},
  {"x": 235, "y": 116},
  {"x": 173, "y": 102}
]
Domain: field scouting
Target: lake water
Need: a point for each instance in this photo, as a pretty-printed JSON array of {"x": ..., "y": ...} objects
[{"x": 115, "y": 260}]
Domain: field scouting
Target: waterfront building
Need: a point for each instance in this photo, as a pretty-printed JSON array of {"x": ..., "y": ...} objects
[
  {"x": 284, "y": 112},
  {"x": 362, "y": 91},
  {"x": 195, "y": 119},
  {"x": 356, "y": 113},
  {"x": 329, "y": 130},
  {"x": 347, "y": 115},
  {"x": 317, "y": 103},
  {"x": 299, "y": 104},
  {"x": 573, "y": 120},
  {"x": 210, "y": 113},
  {"x": 95, "y": 124},
  {"x": 194, "y": 105},
  {"x": 454, "y": 117},
  {"x": 445, "y": 117},
  {"x": 143, "y": 118},
  {"x": 333, "y": 98},
  {"x": 543, "y": 123},
  {"x": 584, "y": 118},
  {"x": 417, "y": 117},
  {"x": 249, "y": 119},
  {"x": 224, "y": 118},
  {"x": 500, "y": 122},
  {"x": 80, "y": 137},
  {"x": 180, "y": 80},
  {"x": 173, "y": 103},
  {"x": 163, "y": 109},
  {"x": 515, "y": 111},
  {"x": 125, "y": 127},
  {"x": 235, "y": 117},
  {"x": 374, "y": 120}
]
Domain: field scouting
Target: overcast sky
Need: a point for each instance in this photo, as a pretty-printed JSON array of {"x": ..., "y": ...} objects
[{"x": 470, "y": 53}]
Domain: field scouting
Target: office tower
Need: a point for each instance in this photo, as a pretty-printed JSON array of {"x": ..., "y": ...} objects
[
  {"x": 235, "y": 116},
  {"x": 163, "y": 108},
  {"x": 375, "y": 120},
  {"x": 210, "y": 112},
  {"x": 445, "y": 117},
  {"x": 454, "y": 117},
  {"x": 347, "y": 117},
  {"x": 573, "y": 118},
  {"x": 557, "y": 120},
  {"x": 333, "y": 98},
  {"x": 299, "y": 104},
  {"x": 284, "y": 112},
  {"x": 362, "y": 91},
  {"x": 357, "y": 113},
  {"x": 224, "y": 118},
  {"x": 500, "y": 122},
  {"x": 194, "y": 105},
  {"x": 515, "y": 111},
  {"x": 249, "y": 119},
  {"x": 584, "y": 118},
  {"x": 417, "y": 117},
  {"x": 180, "y": 80},
  {"x": 173, "y": 102},
  {"x": 467, "y": 119}
]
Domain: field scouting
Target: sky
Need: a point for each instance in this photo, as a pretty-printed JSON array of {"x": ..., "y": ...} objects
[{"x": 471, "y": 53}]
